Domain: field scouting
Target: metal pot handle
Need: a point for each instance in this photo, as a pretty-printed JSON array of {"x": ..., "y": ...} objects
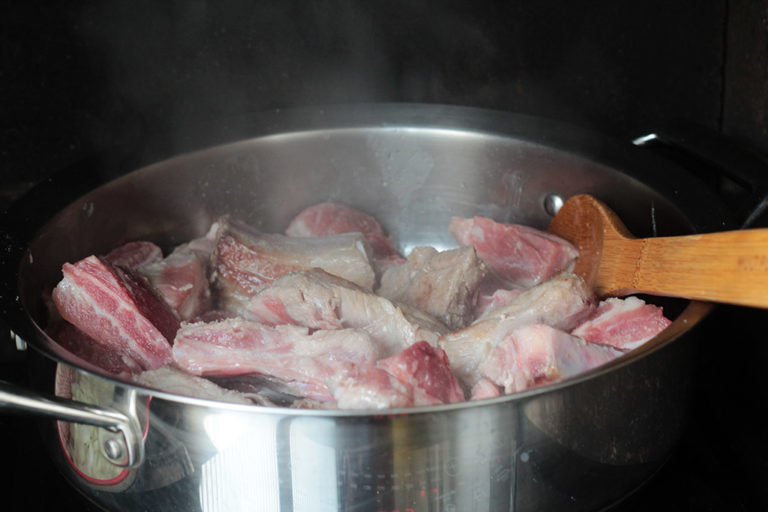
[
  {"x": 128, "y": 454},
  {"x": 737, "y": 174}
]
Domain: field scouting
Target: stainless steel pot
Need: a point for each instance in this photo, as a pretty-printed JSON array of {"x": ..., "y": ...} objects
[{"x": 580, "y": 444}]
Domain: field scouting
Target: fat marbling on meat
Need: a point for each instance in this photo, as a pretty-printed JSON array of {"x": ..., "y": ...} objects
[{"x": 116, "y": 308}]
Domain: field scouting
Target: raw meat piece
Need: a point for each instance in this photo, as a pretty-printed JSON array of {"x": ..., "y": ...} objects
[
  {"x": 289, "y": 353},
  {"x": 181, "y": 279},
  {"x": 486, "y": 303},
  {"x": 523, "y": 255},
  {"x": 425, "y": 369},
  {"x": 118, "y": 310},
  {"x": 245, "y": 261},
  {"x": 442, "y": 284},
  {"x": 134, "y": 254},
  {"x": 533, "y": 355},
  {"x": 319, "y": 300},
  {"x": 485, "y": 388},
  {"x": 364, "y": 386},
  {"x": 562, "y": 302},
  {"x": 623, "y": 323},
  {"x": 173, "y": 380},
  {"x": 335, "y": 219},
  {"x": 114, "y": 362}
]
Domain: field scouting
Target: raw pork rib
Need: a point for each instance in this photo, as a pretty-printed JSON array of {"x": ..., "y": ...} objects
[
  {"x": 245, "y": 260},
  {"x": 562, "y": 302},
  {"x": 134, "y": 254},
  {"x": 538, "y": 354},
  {"x": 443, "y": 284},
  {"x": 364, "y": 386},
  {"x": 182, "y": 278},
  {"x": 289, "y": 353},
  {"x": 523, "y": 255},
  {"x": 623, "y": 323},
  {"x": 335, "y": 219},
  {"x": 117, "y": 309},
  {"x": 425, "y": 369},
  {"x": 319, "y": 300}
]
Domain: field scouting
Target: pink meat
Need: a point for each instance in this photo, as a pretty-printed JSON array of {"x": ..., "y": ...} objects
[
  {"x": 181, "y": 278},
  {"x": 319, "y": 300},
  {"x": 118, "y": 310},
  {"x": 485, "y": 388},
  {"x": 134, "y": 254},
  {"x": 325, "y": 219},
  {"x": 487, "y": 302},
  {"x": 623, "y": 323},
  {"x": 425, "y": 369},
  {"x": 364, "y": 386},
  {"x": 538, "y": 354},
  {"x": 245, "y": 260},
  {"x": 563, "y": 302},
  {"x": 289, "y": 353},
  {"x": 523, "y": 255},
  {"x": 440, "y": 283}
]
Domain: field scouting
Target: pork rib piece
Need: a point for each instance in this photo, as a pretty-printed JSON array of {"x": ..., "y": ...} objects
[
  {"x": 365, "y": 386},
  {"x": 245, "y": 260},
  {"x": 316, "y": 299},
  {"x": 443, "y": 284},
  {"x": 118, "y": 310},
  {"x": 181, "y": 278},
  {"x": 303, "y": 361},
  {"x": 325, "y": 219},
  {"x": 623, "y": 323},
  {"x": 134, "y": 254},
  {"x": 521, "y": 254},
  {"x": 425, "y": 369},
  {"x": 533, "y": 355},
  {"x": 562, "y": 302}
]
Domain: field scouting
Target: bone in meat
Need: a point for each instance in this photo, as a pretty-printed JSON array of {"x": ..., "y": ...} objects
[
  {"x": 173, "y": 380},
  {"x": 319, "y": 300},
  {"x": 538, "y": 354},
  {"x": 562, "y": 302},
  {"x": 245, "y": 260},
  {"x": 443, "y": 284},
  {"x": 287, "y": 352}
]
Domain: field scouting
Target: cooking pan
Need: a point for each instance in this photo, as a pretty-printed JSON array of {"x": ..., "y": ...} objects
[{"x": 580, "y": 444}]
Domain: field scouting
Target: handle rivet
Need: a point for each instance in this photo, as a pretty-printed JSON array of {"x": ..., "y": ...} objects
[
  {"x": 113, "y": 449},
  {"x": 552, "y": 204}
]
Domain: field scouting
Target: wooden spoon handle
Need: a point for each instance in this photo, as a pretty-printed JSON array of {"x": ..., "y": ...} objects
[{"x": 729, "y": 267}]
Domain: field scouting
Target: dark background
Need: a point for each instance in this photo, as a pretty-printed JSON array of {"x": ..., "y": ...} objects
[{"x": 78, "y": 78}]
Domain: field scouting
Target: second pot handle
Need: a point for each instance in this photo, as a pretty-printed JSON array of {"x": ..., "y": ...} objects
[{"x": 739, "y": 176}]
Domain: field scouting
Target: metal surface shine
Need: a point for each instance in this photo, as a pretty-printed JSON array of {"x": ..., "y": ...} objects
[{"x": 581, "y": 444}]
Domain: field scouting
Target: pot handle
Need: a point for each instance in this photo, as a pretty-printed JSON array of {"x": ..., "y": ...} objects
[
  {"x": 739, "y": 176},
  {"x": 128, "y": 454}
]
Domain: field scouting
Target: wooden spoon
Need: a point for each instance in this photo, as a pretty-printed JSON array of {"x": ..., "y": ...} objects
[{"x": 729, "y": 267}]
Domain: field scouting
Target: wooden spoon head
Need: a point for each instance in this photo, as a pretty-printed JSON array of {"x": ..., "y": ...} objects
[{"x": 587, "y": 223}]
